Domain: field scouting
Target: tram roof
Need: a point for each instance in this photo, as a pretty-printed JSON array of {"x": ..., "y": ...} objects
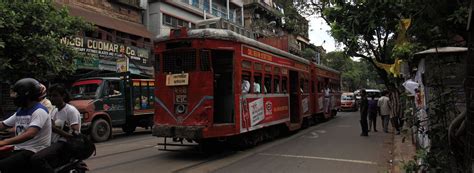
[
  {"x": 224, "y": 34},
  {"x": 327, "y": 68}
]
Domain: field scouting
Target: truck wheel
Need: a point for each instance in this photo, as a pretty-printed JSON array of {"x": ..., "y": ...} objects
[
  {"x": 129, "y": 128},
  {"x": 100, "y": 130}
]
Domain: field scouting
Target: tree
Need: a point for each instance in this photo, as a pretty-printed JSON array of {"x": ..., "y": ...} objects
[
  {"x": 354, "y": 74},
  {"x": 30, "y": 34}
]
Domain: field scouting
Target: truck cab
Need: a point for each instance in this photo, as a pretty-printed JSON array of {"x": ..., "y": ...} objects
[{"x": 107, "y": 102}]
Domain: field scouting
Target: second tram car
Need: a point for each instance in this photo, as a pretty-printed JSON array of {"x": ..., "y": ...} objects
[{"x": 217, "y": 84}]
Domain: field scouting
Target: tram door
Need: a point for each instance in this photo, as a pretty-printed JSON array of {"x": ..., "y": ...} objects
[
  {"x": 294, "y": 97},
  {"x": 223, "y": 86}
]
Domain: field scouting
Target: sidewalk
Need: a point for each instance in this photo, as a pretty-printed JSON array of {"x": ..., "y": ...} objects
[{"x": 403, "y": 150}]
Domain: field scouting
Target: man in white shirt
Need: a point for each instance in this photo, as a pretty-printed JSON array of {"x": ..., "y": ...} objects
[
  {"x": 383, "y": 105},
  {"x": 67, "y": 120},
  {"x": 245, "y": 86},
  {"x": 32, "y": 126},
  {"x": 256, "y": 87}
]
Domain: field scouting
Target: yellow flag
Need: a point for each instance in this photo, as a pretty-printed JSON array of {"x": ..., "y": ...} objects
[
  {"x": 392, "y": 69},
  {"x": 405, "y": 23}
]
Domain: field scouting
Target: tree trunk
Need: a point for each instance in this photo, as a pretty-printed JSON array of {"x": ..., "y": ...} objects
[{"x": 393, "y": 88}]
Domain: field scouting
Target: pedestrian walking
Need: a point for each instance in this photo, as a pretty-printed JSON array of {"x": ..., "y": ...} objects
[
  {"x": 383, "y": 105},
  {"x": 364, "y": 106},
  {"x": 373, "y": 114}
]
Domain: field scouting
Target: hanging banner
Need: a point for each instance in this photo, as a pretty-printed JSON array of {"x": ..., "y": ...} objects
[{"x": 122, "y": 65}]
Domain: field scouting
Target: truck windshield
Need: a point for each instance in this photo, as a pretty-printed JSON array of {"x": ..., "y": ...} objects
[{"x": 85, "y": 91}]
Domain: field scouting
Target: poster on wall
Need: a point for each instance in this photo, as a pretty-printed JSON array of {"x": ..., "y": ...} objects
[
  {"x": 256, "y": 110},
  {"x": 122, "y": 65}
]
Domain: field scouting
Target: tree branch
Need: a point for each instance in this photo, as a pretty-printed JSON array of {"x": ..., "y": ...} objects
[
  {"x": 372, "y": 48},
  {"x": 385, "y": 40},
  {"x": 379, "y": 47}
]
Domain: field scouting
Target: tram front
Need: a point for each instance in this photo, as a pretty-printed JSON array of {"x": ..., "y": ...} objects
[{"x": 194, "y": 83}]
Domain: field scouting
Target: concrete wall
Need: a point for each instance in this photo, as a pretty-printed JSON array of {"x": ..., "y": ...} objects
[{"x": 156, "y": 11}]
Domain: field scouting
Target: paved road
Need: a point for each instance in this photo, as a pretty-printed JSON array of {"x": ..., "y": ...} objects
[{"x": 333, "y": 146}]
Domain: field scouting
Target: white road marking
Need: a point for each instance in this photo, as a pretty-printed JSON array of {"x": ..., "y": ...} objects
[
  {"x": 321, "y": 158},
  {"x": 312, "y": 136},
  {"x": 321, "y": 131}
]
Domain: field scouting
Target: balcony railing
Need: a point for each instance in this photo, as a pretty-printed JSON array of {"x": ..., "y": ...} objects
[{"x": 262, "y": 4}]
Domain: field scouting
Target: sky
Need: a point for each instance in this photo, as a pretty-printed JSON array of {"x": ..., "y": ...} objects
[{"x": 318, "y": 34}]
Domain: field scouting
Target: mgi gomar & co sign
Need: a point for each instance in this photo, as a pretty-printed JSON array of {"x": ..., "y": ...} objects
[{"x": 108, "y": 50}]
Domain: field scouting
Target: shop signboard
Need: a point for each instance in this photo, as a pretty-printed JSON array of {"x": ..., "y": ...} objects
[{"x": 108, "y": 51}]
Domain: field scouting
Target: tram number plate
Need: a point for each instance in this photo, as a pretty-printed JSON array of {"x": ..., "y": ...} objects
[
  {"x": 181, "y": 98},
  {"x": 177, "y": 79}
]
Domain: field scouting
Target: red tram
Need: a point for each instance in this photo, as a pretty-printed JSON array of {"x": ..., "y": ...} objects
[{"x": 217, "y": 84}]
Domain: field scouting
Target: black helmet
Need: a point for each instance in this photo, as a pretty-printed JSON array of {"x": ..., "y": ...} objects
[{"x": 26, "y": 89}]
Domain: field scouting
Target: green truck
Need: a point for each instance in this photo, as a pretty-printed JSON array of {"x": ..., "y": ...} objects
[{"x": 113, "y": 101}]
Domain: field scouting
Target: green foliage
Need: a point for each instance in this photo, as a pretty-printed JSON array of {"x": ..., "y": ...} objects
[
  {"x": 354, "y": 74},
  {"x": 294, "y": 22},
  {"x": 308, "y": 53},
  {"x": 405, "y": 50},
  {"x": 412, "y": 166},
  {"x": 29, "y": 40}
]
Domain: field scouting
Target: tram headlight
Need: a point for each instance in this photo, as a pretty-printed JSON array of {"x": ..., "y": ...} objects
[{"x": 180, "y": 109}]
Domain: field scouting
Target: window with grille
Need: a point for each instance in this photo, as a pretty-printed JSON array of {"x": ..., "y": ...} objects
[
  {"x": 179, "y": 61},
  {"x": 205, "y": 60}
]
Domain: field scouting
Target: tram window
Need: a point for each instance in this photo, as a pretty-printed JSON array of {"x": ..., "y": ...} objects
[
  {"x": 276, "y": 84},
  {"x": 246, "y": 64},
  {"x": 284, "y": 71},
  {"x": 268, "y": 84},
  {"x": 306, "y": 86},
  {"x": 157, "y": 63},
  {"x": 257, "y": 66},
  {"x": 257, "y": 83},
  {"x": 284, "y": 84},
  {"x": 268, "y": 69},
  {"x": 302, "y": 88},
  {"x": 246, "y": 82},
  {"x": 205, "y": 60},
  {"x": 213, "y": 25},
  {"x": 276, "y": 70}
]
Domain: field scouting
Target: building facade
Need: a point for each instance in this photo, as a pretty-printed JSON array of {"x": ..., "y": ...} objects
[
  {"x": 163, "y": 15},
  {"x": 268, "y": 20},
  {"x": 119, "y": 34}
]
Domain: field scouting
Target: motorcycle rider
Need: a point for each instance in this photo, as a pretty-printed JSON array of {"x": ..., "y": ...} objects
[
  {"x": 32, "y": 126},
  {"x": 66, "y": 121}
]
